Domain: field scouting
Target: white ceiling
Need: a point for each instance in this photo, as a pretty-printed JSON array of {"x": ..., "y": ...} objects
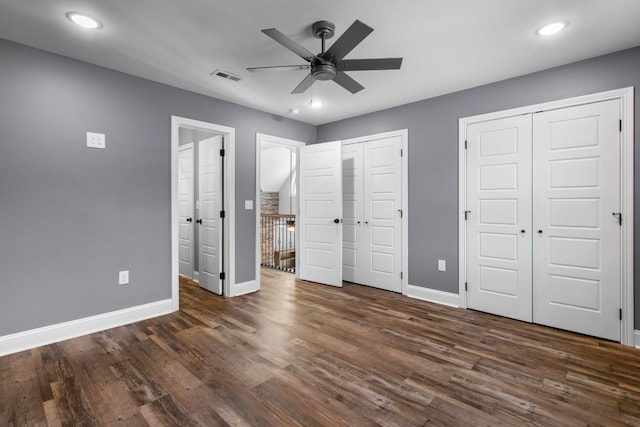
[{"x": 447, "y": 45}]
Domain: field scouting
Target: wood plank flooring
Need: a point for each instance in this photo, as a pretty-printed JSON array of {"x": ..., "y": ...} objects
[{"x": 303, "y": 354}]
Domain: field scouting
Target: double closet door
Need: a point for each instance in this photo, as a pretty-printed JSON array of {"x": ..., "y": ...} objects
[
  {"x": 372, "y": 213},
  {"x": 543, "y": 222}
]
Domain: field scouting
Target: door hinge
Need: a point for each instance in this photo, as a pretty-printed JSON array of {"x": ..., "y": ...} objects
[
  {"x": 401, "y": 152},
  {"x": 619, "y": 216},
  {"x": 401, "y": 274},
  {"x": 466, "y": 286},
  {"x": 620, "y": 314},
  {"x": 222, "y": 214},
  {"x": 465, "y": 144},
  {"x": 223, "y": 275},
  {"x": 400, "y": 210},
  {"x": 466, "y": 214},
  {"x": 222, "y": 152},
  {"x": 620, "y": 125}
]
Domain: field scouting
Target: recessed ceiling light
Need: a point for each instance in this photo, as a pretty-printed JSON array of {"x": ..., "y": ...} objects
[
  {"x": 552, "y": 28},
  {"x": 85, "y": 21},
  {"x": 316, "y": 103},
  {"x": 294, "y": 111}
]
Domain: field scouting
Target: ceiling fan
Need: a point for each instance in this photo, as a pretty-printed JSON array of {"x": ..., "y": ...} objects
[{"x": 330, "y": 64}]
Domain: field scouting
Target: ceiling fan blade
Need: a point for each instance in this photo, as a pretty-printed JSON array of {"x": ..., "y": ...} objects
[
  {"x": 289, "y": 44},
  {"x": 304, "y": 84},
  {"x": 347, "y": 41},
  {"x": 279, "y": 68},
  {"x": 348, "y": 83},
  {"x": 369, "y": 64}
]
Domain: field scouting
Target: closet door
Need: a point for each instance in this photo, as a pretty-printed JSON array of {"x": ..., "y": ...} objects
[
  {"x": 382, "y": 213},
  {"x": 186, "y": 191},
  {"x": 499, "y": 217},
  {"x": 353, "y": 213},
  {"x": 577, "y": 236}
]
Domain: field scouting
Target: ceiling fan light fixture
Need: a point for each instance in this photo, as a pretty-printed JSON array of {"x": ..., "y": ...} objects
[
  {"x": 84, "y": 21},
  {"x": 552, "y": 28},
  {"x": 315, "y": 103}
]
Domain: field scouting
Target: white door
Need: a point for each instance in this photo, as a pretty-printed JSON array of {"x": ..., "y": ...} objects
[
  {"x": 320, "y": 195},
  {"x": 185, "y": 210},
  {"x": 499, "y": 217},
  {"x": 577, "y": 240},
  {"x": 383, "y": 213},
  {"x": 353, "y": 213},
  {"x": 209, "y": 221}
]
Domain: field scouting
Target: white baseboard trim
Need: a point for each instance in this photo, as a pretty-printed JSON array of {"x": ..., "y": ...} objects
[
  {"x": 636, "y": 338},
  {"x": 196, "y": 276},
  {"x": 63, "y": 331},
  {"x": 245, "y": 288},
  {"x": 432, "y": 295}
]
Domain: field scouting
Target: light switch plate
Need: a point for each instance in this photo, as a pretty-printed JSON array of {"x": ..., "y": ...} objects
[
  {"x": 123, "y": 277},
  {"x": 96, "y": 140},
  {"x": 248, "y": 204},
  {"x": 442, "y": 265}
]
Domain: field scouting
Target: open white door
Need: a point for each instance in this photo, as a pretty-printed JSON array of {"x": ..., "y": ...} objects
[
  {"x": 209, "y": 222},
  {"x": 320, "y": 215},
  {"x": 185, "y": 210}
]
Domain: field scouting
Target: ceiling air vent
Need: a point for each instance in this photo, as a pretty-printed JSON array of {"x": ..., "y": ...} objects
[{"x": 226, "y": 75}]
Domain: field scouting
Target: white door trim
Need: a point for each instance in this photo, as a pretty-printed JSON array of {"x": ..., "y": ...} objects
[
  {"x": 260, "y": 138},
  {"x": 404, "y": 136},
  {"x": 626, "y": 98},
  {"x": 229, "y": 142}
]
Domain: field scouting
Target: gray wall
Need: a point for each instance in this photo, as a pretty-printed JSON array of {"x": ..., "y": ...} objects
[
  {"x": 72, "y": 217},
  {"x": 433, "y": 151}
]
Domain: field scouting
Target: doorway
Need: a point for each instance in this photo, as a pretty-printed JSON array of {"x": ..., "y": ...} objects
[
  {"x": 276, "y": 204},
  {"x": 202, "y": 201}
]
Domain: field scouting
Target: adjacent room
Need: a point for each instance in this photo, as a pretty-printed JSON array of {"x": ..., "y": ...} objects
[{"x": 319, "y": 213}]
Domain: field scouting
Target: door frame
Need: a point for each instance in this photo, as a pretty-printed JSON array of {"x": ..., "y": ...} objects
[
  {"x": 228, "y": 134},
  {"x": 626, "y": 98},
  {"x": 404, "y": 137},
  {"x": 260, "y": 138}
]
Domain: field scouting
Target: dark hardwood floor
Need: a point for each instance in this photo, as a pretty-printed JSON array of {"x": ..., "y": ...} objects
[{"x": 304, "y": 354}]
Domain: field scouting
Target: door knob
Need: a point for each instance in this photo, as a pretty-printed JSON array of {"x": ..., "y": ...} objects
[
  {"x": 522, "y": 231},
  {"x": 189, "y": 219},
  {"x": 199, "y": 221},
  {"x": 539, "y": 231},
  {"x": 337, "y": 221}
]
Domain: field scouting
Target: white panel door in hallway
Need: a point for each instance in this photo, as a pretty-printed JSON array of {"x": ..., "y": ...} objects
[
  {"x": 499, "y": 217},
  {"x": 185, "y": 210},
  {"x": 576, "y": 204},
  {"x": 320, "y": 195},
  {"x": 209, "y": 223}
]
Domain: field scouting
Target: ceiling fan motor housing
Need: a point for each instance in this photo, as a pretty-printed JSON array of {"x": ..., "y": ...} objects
[{"x": 323, "y": 70}]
